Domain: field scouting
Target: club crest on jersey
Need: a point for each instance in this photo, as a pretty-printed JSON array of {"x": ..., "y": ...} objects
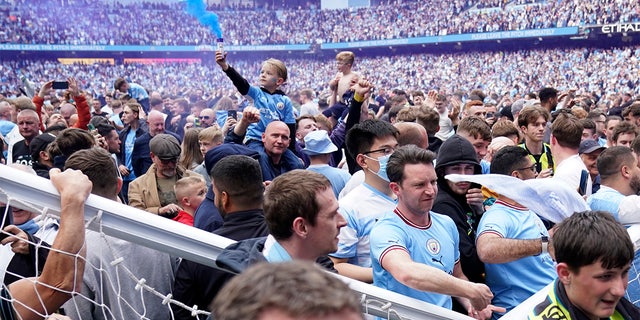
[
  {"x": 280, "y": 105},
  {"x": 433, "y": 246}
]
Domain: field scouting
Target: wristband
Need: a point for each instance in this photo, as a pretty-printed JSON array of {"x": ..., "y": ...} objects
[
  {"x": 544, "y": 240},
  {"x": 357, "y": 97}
]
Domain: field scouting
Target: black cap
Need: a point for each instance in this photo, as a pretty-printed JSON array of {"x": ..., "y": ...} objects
[{"x": 40, "y": 143}]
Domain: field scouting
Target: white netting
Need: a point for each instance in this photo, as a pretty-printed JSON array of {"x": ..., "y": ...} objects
[{"x": 131, "y": 257}]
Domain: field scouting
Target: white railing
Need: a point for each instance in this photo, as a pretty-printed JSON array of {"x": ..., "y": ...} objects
[{"x": 29, "y": 192}]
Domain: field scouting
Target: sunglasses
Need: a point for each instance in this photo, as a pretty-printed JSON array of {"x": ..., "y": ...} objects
[
  {"x": 168, "y": 161},
  {"x": 204, "y": 117}
]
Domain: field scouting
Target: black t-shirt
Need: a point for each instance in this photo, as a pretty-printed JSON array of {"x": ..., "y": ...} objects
[{"x": 21, "y": 153}]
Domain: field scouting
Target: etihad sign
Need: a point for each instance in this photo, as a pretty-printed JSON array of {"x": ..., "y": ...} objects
[{"x": 621, "y": 28}]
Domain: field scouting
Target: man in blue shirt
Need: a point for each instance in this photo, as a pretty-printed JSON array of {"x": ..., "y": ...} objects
[
  {"x": 302, "y": 215},
  {"x": 620, "y": 178},
  {"x": 415, "y": 251},
  {"x": 134, "y": 90},
  {"x": 512, "y": 240}
]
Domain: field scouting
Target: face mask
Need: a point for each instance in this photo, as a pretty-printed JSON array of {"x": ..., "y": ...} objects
[{"x": 382, "y": 172}]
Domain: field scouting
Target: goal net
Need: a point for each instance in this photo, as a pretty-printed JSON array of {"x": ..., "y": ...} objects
[{"x": 138, "y": 253}]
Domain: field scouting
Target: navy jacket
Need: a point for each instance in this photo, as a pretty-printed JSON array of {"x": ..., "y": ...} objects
[
  {"x": 197, "y": 284},
  {"x": 142, "y": 129},
  {"x": 207, "y": 217}
]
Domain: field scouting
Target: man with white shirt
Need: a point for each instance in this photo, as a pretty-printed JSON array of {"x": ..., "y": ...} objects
[
  {"x": 566, "y": 133},
  {"x": 371, "y": 142}
]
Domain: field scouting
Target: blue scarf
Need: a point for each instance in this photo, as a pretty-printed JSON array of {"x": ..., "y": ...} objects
[{"x": 29, "y": 227}]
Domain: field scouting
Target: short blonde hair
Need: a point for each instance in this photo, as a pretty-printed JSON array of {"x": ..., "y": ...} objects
[
  {"x": 213, "y": 134},
  {"x": 280, "y": 67},
  {"x": 346, "y": 57},
  {"x": 181, "y": 188}
]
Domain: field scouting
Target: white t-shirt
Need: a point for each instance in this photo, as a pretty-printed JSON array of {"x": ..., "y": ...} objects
[
  {"x": 362, "y": 207},
  {"x": 569, "y": 172}
]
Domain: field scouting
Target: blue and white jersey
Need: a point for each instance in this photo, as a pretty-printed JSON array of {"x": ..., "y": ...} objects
[
  {"x": 515, "y": 281},
  {"x": 606, "y": 199},
  {"x": 337, "y": 177},
  {"x": 361, "y": 207},
  {"x": 137, "y": 92},
  {"x": 273, "y": 107},
  {"x": 486, "y": 166},
  {"x": 435, "y": 245},
  {"x": 274, "y": 252}
]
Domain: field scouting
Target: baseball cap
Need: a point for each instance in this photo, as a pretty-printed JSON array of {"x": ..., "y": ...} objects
[
  {"x": 40, "y": 143},
  {"x": 506, "y": 112},
  {"x": 165, "y": 146},
  {"x": 588, "y": 146},
  {"x": 317, "y": 143}
]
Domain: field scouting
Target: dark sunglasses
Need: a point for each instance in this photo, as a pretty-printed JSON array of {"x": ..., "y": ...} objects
[{"x": 167, "y": 161}]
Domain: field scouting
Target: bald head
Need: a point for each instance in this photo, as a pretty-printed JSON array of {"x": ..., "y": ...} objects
[
  {"x": 276, "y": 139},
  {"x": 28, "y": 124},
  {"x": 207, "y": 117},
  {"x": 67, "y": 110},
  {"x": 155, "y": 94},
  {"x": 276, "y": 125},
  {"x": 155, "y": 120},
  {"x": 412, "y": 133}
]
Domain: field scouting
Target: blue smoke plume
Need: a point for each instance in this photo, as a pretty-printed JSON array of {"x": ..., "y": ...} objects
[{"x": 198, "y": 9}]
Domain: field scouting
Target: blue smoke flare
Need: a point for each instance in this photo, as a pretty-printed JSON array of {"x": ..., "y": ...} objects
[{"x": 198, "y": 9}]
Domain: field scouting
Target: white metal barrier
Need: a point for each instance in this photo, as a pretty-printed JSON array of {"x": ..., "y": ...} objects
[{"x": 118, "y": 220}]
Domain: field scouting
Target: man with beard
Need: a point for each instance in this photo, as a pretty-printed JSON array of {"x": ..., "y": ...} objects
[
  {"x": 42, "y": 160},
  {"x": 619, "y": 178},
  {"x": 512, "y": 240},
  {"x": 154, "y": 190}
]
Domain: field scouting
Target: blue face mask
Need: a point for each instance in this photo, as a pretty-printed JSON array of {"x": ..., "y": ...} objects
[{"x": 382, "y": 172}]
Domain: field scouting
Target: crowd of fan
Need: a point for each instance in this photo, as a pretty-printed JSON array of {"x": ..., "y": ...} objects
[
  {"x": 166, "y": 147},
  {"x": 111, "y": 23},
  {"x": 600, "y": 71}
]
